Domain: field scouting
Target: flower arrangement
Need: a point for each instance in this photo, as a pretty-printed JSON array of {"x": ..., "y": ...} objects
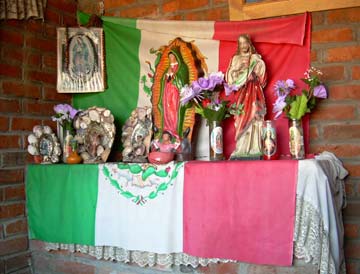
[
  {"x": 296, "y": 106},
  {"x": 204, "y": 93},
  {"x": 64, "y": 116}
]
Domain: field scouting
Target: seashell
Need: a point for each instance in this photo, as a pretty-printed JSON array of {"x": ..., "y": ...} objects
[
  {"x": 86, "y": 120},
  {"x": 106, "y": 113},
  {"x": 57, "y": 150},
  {"x": 47, "y": 130},
  {"x": 83, "y": 125},
  {"x": 32, "y": 139},
  {"x": 85, "y": 156},
  {"x": 94, "y": 116},
  {"x": 38, "y": 130},
  {"x": 54, "y": 159},
  {"x": 126, "y": 151},
  {"x": 77, "y": 124},
  {"x": 99, "y": 150},
  {"x": 33, "y": 150},
  {"x": 127, "y": 143}
]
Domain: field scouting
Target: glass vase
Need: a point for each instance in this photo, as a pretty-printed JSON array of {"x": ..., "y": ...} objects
[
  {"x": 66, "y": 146},
  {"x": 296, "y": 139},
  {"x": 215, "y": 141}
]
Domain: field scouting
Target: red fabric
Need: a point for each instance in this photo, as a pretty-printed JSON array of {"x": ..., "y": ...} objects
[
  {"x": 236, "y": 210},
  {"x": 284, "y": 45}
]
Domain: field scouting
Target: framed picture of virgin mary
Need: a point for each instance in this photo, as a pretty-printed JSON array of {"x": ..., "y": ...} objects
[{"x": 80, "y": 60}]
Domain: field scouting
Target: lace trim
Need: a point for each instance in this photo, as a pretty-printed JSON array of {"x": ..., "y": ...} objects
[
  {"x": 311, "y": 241},
  {"x": 311, "y": 244}
]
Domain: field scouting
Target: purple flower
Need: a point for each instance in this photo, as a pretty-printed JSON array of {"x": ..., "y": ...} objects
[
  {"x": 279, "y": 105},
  {"x": 66, "y": 110},
  {"x": 208, "y": 83},
  {"x": 283, "y": 88},
  {"x": 216, "y": 78},
  {"x": 229, "y": 88},
  {"x": 320, "y": 91},
  {"x": 188, "y": 93}
]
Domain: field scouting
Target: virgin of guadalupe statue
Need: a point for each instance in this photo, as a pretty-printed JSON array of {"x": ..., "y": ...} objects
[
  {"x": 248, "y": 72},
  {"x": 178, "y": 64}
]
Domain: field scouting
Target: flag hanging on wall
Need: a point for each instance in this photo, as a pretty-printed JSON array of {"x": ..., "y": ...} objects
[{"x": 131, "y": 46}]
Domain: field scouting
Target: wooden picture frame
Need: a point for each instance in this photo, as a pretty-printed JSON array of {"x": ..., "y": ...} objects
[
  {"x": 240, "y": 10},
  {"x": 80, "y": 60}
]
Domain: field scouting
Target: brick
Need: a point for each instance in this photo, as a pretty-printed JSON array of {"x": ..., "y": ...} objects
[
  {"x": 10, "y": 246},
  {"x": 38, "y": 107},
  {"x": 13, "y": 159},
  {"x": 2, "y": 266},
  {"x": 313, "y": 55},
  {"x": 52, "y": 16},
  {"x": 33, "y": 59},
  {"x": 10, "y": 70},
  {"x": 352, "y": 267},
  {"x": 333, "y": 73},
  {"x": 73, "y": 267},
  {"x": 173, "y": 6},
  {"x": 63, "y": 6},
  {"x": 349, "y": 189},
  {"x": 69, "y": 20},
  {"x": 17, "y": 262},
  {"x": 352, "y": 250},
  {"x": 47, "y": 45},
  {"x": 4, "y": 123},
  {"x": 334, "y": 112},
  {"x": 213, "y": 14},
  {"x": 18, "y": 226},
  {"x": 352, "y": 230},
  {"x": 343, "y": 92},
  {"x": 331, "y": 35},
  {"x": 21, "y": 89},
  {"x": 50, "y": 61},
  {"x": 36, "y": 245},
  {"x": 11, "y": 176},
  {"x": 314, "y": 132},
  {"x": 50, "y": 31},
  {"x": 42, "y": 77},
  {"x": 341, "y": 132},
  {"x": 15, "y": 193},
  {"x": 10, "y": 141},
  {"x": 317, "y": 18},
  {"x": 19, "y": 24},
  {"x": 344, "y": 15},
  {"x": 50, "y": 93},
  {"x": 21, "y": 123},
  {"x": 354, "y": 170},
  {"x": 11, "y": 211},
  {"x": 340, "y": 150},
  {"x": 109, "y": 4},
  {"x": 33, "y": 25},
  {"x": 355, "y": 75},
  {"x": 12, "y": 37},
  {"x": 342, "y": 54},
  {"x": 149, "y": 10},
  {"x": 11, "y": 105},
  {"x": 13, "y": 54},
  {"x": 42, "y": 264}
]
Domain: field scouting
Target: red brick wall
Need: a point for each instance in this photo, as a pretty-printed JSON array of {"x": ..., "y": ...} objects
[{"x": 27, "y": 96}]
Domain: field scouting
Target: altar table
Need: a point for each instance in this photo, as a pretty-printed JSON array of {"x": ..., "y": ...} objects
[{"x": 317, "y": 232}]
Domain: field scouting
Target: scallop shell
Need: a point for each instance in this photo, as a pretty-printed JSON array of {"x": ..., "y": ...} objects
[
  {"x": 99, "y": 150},
  {"x": 94, "y": 116},
  {"x": 38, "y": 130},
  {"x": 33, "y": 150},
  {"x": 77, "y": 124},
  {"x": 83, "y": 125},
  {"x": 32, "y": 139},
  {"x": 47, "y": 130}
]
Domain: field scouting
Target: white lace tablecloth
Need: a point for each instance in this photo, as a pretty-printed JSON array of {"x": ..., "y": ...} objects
[{"x": 318, "y": 233}]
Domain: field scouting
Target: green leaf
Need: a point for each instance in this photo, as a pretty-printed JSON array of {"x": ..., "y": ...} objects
[
  {"x": 162, "y": 187},
  {"x": 127, "y": 194},
  {"x": 106, "y": 171},
  {"x": 135, "y": 169},
  {"x": 174, "y": 174},
  {"x": 298, "y": 108},
  {"x": 161, "y": 173},
  {"x": 148, "y": 172},
  {"x": 153, "y": 195}
]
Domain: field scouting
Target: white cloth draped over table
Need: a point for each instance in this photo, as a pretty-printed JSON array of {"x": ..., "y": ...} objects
[
  {"x": 22, "y": 9},
  {"x": 318, "y": 233}
]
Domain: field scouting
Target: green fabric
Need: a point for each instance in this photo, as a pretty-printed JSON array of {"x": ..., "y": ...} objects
[
  {"x": 61, "y": 202},
  {"x": 122, "y": 41}
]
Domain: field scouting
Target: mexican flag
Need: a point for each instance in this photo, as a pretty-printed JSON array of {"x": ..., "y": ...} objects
[
  {"x": 131, "y": 47},
  {"x": 133, "y": 206}
]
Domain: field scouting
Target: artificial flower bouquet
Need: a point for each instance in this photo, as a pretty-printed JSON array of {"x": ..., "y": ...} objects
[
  {"x": 296, "y": 106},
  {"x": 204, "y": 93},
  {"x": 64, "y": 116}
]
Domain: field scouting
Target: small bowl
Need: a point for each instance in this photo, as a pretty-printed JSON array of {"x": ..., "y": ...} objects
[{"x": 160, "y": 158}]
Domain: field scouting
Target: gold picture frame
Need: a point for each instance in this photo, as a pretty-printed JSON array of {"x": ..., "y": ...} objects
[{"x": 80, "y": 60}]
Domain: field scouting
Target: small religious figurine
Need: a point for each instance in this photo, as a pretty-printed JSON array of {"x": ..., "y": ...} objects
[
  {"x": 166, "y": 143},
  {"x": 247, "y": 71}
]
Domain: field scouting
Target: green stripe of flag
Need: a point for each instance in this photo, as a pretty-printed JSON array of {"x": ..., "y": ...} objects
[
  {"x": 61, "y": 202},
  {"x": 122, "y": 41}
]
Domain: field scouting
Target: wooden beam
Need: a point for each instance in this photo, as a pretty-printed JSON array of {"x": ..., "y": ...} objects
[{"x": 239, "y": 10}]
